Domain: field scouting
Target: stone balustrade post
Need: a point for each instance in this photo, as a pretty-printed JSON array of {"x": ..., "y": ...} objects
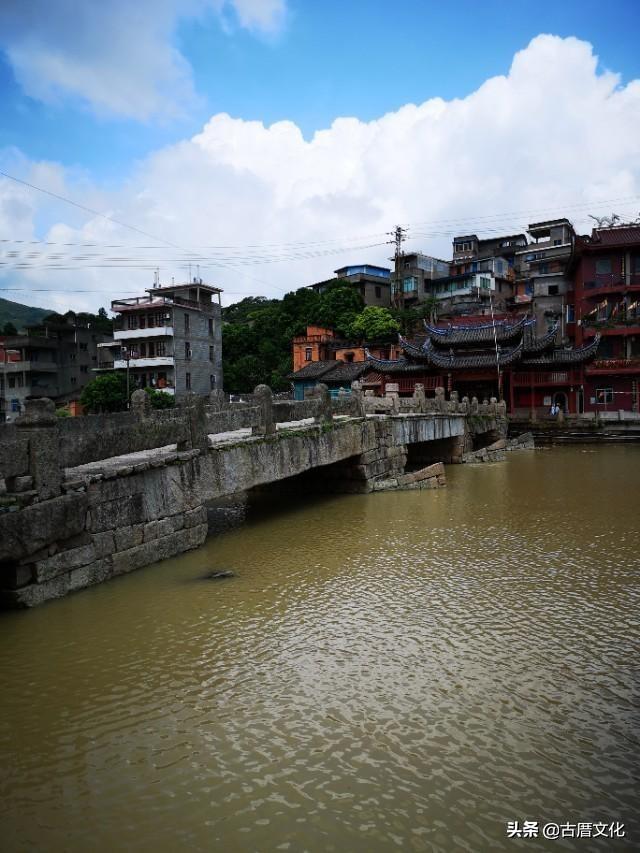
[
  {"x": 465, "y": 406},
  {"x": 419, "y": 398},
  {"x": 441, "y": 403},
  {"x": 357, "y": 400},
  {"x": 493, "y": 406},
  {"x": 196, "y": 414},
  {"x": 454, "y": 402},
  {"x": 324, "y": 414},
  {"x": 392, "y": 392},
  {"x": 264, "y": 400},
  {"x": 474, "y": 406},
  {"x": 39, "y": 422},
  {"x": 140, "y": 404}
]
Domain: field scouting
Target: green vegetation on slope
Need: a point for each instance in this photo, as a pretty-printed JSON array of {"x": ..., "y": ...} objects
[{"x": 20, "y": 315}]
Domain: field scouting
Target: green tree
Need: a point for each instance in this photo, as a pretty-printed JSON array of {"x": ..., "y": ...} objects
[
  {"x": 338, "y": 307},
  {"x": 160, "y": 399},
  {"x": 9, "y": 329},
  {"x": 105, "y": 393},
  {"x": 374, "y": 324}
]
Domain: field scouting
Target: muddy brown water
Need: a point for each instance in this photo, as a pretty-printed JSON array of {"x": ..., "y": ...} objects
[{"x": 399, "y": 671}]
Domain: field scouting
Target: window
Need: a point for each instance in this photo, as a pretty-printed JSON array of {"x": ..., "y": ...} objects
[
  {"x": 211, "y": 327},
  {"x": 571, "y": 314},
  {"x": 187, "y": 381},
  {"x": 308, "y": 354},
  {"x": 603, "y": 266},
  {"x": 73, "y": 380},
  {"x": 604, "y": 396},
  {"x": 210, "y": 353},
  {"x": 378, "y": 292},
  {"x": 12, "y": 382},
  {"x": 161, "y": 348},
  {"x": 132, "y": 321},
  {"x": 557, "y": 242},
  {"x": 84, "y": 368},
  {"x": 409, "y": 284},
  {"x": 143, "y": 350},
  {"x": 84, "y": 347},
  {"x": 143, "y": 321},
  {"x": 553, "y": 290},
  {"x": 186, "y": 322},
  {"x": 348, "y": 357},
  {"x": 212, "y": 381},
  {"x": 543, "y": 269},
  {"x": 485, "y": 283},
  {"x": 187, "y": 351}
]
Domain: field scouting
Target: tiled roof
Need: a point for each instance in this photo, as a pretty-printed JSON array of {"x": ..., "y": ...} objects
[
  {"x": 313, "y": 370},
  {"x": 622, "y": 234},
  {"x": 566, "y": 356},
  {"x": 345, "y": 371},
  {"x": 533, "y": 344},
  {"x": 331, "y": 371},
  {"x": 478, "y": 334}
]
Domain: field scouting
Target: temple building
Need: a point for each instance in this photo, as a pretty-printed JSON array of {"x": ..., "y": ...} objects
[{"x": 505, "y": 359}]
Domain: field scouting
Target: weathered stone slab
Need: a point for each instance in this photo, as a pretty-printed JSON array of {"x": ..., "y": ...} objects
[
  {"x": 64, "y": 561},
  {"x": 27, "y": 531}
]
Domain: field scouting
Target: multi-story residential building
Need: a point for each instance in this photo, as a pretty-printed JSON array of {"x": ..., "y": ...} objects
[
  {"x": 542, "y": 280},
  {"x": 411, "y": 282},
  {"x": 471, "y": 248},
  {"x": 606, "y": 278},
  {"x": 51, "y": 359},
  {"x": 170, "y": 339},
  {"x": 372, "y": 283}
]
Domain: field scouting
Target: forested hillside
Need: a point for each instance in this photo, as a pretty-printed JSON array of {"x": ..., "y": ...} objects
[{"x": 19, "y": 315}]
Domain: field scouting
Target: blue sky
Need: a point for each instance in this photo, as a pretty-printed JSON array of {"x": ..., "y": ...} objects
[
  {"x": 282, "y": 123},
  {"x": 329, "y": 59}
]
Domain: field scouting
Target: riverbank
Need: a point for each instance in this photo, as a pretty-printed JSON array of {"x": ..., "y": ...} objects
[{"x": 578, "y": 430}]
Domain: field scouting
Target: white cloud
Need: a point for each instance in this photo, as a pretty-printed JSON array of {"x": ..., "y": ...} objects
[
  {"x": 117, "y": 57},
  {"x": 552, "y": 133}
]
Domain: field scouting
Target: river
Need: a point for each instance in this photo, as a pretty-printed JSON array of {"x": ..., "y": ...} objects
[{"x": 396, "y": 671}]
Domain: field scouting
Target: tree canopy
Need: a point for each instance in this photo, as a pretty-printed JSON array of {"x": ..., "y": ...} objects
[
  {"x": 105, "y": 393},
  {"x": 374, "y": 324}
]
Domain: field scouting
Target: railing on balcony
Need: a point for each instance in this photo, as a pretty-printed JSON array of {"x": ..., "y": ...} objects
[
  {"x": 538, "y": 377},
  {"x": 610, "y": 281}
]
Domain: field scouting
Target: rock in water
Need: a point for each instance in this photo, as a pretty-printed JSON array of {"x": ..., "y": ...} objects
[{"x": 225, "y": 573}]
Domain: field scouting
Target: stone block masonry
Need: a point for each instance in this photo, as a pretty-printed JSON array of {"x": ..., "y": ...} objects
[{"x": 136, "y": 490}]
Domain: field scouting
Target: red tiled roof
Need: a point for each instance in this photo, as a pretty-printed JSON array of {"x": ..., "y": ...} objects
[{"x": 621, "y": 235}]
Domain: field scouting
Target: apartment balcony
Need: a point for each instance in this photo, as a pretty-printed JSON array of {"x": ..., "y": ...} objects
[
  {"x": 153, "y": 332},
  {"x": 611, "y": 327},
  {"x": 612, "y": 283},
  {"x": 147, "y": 363},
  {"x": 29, "y": 367}
]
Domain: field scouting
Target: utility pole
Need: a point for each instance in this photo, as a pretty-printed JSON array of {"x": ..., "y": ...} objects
[{"x": 399, "y": 236}]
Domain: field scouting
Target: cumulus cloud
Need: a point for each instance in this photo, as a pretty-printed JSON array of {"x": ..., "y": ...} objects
[
  {"x": 552, "y": 133},
  {"x": 118, "y": 57}
]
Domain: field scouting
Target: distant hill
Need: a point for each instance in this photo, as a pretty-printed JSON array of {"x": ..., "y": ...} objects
[{"x": 20, "y": 315}]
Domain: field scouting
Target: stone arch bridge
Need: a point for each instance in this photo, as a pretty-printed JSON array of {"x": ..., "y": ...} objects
[{"x": 86, "y": 499}]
